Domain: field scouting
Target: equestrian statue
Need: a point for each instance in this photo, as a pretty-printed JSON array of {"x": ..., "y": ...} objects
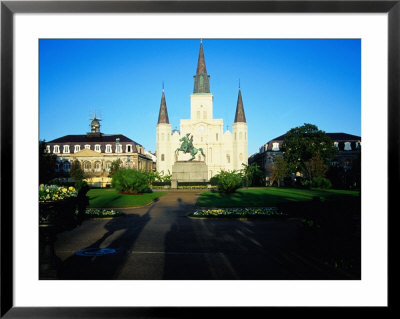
[{"x": 187, "y": 147}]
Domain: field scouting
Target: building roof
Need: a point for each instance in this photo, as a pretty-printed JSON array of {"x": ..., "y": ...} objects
[
  {"x": 239, "y": 114},
  {"x": 337, "y": 137},
  {"x": 163, "y": 114},
  {"x": 83, "y": 138}
]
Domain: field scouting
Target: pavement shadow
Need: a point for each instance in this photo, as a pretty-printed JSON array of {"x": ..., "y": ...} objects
[
  {"x": 244, "y": 249},
  {"x": 106, "y": 266}
]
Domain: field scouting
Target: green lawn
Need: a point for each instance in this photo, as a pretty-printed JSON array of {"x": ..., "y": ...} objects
[
  {"x": 269, "y": 197},
  {"x": 110, "y": 198}
]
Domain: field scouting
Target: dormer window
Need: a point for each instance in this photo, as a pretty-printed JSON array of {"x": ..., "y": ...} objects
[
  {"x": 128, "y": 148},
  {"x": 77, "y": 148},
  {"x": 87, "y": 147},
  {"x": 47, "y": 148},
  {"x": 56, "y": 149},
  {"x": 118, "y": 148},
  {"x": 336, "y": 144},
  {"x": 97, "y": 148},
  {"x": 66, "y": 149},
  {"x": 108, "y": 148},
  {"x": 275, "y": 146},
  {"x": 347, "y": 146}
]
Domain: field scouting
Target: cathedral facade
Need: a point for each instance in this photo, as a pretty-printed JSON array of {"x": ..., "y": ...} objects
[{"x": 222, "y": 150}]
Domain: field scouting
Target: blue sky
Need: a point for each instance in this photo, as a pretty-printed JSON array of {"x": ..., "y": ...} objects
[{"x": 284, "y": 84}]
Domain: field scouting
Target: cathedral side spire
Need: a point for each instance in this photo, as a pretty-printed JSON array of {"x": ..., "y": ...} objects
[
  {"x": 239, "y": 115},
  {"x": 201, "y": 79},
  {"x": 163, "y": 114}
]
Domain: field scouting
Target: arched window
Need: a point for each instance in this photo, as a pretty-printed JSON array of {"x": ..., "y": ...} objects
[
  {"x": 66, "y": 166},
  {"x": 87, "y": 166},
  {"x": 97, "y": 166}
]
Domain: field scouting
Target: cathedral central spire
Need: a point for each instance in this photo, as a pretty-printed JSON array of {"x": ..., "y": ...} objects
[{"x": 201, "y": 79}]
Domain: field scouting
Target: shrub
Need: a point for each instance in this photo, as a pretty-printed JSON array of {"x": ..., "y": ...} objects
[
  {"x": 321, "y": 182},
  {"x": 317, "y": 182},
  {"x": 130, "y": 180},
  {"x": 214, "y": 180},
  {"x": 229, "y": 182}
]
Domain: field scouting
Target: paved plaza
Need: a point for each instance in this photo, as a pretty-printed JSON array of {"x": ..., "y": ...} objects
[{"x": 160, "y": 242}]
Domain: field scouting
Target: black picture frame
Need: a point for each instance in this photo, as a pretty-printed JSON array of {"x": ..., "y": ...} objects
[{"x": 9, "y": 8}]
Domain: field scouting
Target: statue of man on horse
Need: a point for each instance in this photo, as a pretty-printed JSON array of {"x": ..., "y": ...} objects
[{"x": 187, "y": 147}]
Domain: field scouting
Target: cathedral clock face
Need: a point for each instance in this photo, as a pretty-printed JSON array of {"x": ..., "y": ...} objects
[{"x": 201, "y": 129}]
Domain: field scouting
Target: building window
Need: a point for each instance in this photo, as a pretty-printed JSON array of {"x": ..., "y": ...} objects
[
  {"x": 118, "y": 148},
  {"x": 162, "y": 158},
  {"x": 275, "y": 146},
  {"x": 56, "y": 149},
  {"x": 87, "y": 166},
  {"x": 347, "y": 146},
  {"x": 108, "y": 148},
  {"x": 66, "y": 166},
  {"x": 228, "y": 158},
  {"x": 108, "y": 166},
  {"x": 336, "y": 144},
  {"x": 128, "y": 148},
  {"x": 66, "y": 149},
  {"x": 77, "y": 148},
  {"x": 97, "y": 166},
  {"x": 97, "y": 148},
  {"x": 216, "y": 136},
  {"x": 47, "y": 148}
]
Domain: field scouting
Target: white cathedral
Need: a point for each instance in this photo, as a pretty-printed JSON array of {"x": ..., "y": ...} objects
[{"x": 223, "y": 151}]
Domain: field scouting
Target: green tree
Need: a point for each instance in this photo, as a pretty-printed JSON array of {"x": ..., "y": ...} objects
[
  {"x": 47, "y": 164},
  {"x": 115, "y": 166},
  {"x": 315, "y": 167},
  {"x": 76, "y": 171},
  {"x": 252, "y": 174},
  {"x": 303, "y": 143},
  {"x": 279, "y": 170}
]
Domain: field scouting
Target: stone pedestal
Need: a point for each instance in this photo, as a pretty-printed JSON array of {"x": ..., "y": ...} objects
[{"x": 188, "y": 171}]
